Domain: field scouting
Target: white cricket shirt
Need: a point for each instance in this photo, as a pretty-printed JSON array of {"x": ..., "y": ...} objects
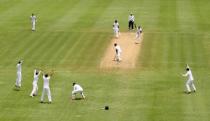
[
  {"x": 46, "y": 81},
  {"x": 19, "y": 68},
  {"x": 33, "y": 18},
  {"x": 118, "y": 49},
  {"x": 189, "y": 75},
  {"x": 77, "y": 87}
]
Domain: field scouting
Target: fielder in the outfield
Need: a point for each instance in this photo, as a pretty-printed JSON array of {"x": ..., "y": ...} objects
[
  {"x": 77, "y": 89},
  {"x": 34, "y": 91},
  {"x": 131, "y": 21},
  {"x": 118, "y": 52},
  {"x": 139, "y": 32},
  {"x": 189, "y": 83},
  {"x": 33, "y": 22},
  {"x": 46, "y": 88},
  {"x": 19, "y": 74},
  {"x": 116, "y": 28}
]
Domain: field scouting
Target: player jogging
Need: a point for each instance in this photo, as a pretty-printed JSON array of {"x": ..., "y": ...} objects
[
  {"x": 138, "y": 32},
  {"x": 118, "y": 52}
]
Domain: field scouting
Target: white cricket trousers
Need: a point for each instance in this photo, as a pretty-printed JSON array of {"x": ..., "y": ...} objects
[
  {"x": 34, "y": 90},
  {"x": 74, "y": 92},
  {"x": 46, "y": 91},
  {"x": 116, "y": 32},
  {"x": 117, "y": 57},
  {"x": 33, "y": 26},
  {"x": 138, "y": 35},
  {"x": 189, "y": 84},
  {"x": 18, "y": 80}
]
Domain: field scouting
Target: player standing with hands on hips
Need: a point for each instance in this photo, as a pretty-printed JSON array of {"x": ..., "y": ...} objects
[
  {"x": 19, "y": 74},
  {"x": 189, "y": 84},
  {"x": 131, "y": 21},
  {"x": 33, "y": 22}
]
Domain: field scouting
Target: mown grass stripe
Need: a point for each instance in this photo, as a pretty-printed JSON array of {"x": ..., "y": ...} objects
[
  {"x": 45, "y": 41},
  {"x": 62, "y": 45},
  {"x": 82, "y": 51},
  {"x": 67, "y": 56},
  {"x": 52, "y": 48},
  {"x": 34, "y": 46},
  {"x": 92, "y": 58}
]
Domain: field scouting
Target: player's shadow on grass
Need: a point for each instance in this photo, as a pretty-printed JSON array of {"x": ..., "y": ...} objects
[
  {"x": 185, "y": 93},
  {"x": 79, "y": 98},
  {"x": 16, "y": 89},
  {"x": 45, "y": 102}
]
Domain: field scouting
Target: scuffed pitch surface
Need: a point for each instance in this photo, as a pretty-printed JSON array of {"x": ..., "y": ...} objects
[{"x": 130, "y": 51}]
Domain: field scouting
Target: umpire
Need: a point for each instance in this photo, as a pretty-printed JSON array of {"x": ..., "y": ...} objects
[{"x": 131, "y": 21}]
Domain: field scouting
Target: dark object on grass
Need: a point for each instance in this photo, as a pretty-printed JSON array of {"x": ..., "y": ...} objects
[{"x": 106, "y": 108}]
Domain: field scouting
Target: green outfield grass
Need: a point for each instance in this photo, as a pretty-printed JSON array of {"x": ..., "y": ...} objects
[{"x": 71, "y": 38}]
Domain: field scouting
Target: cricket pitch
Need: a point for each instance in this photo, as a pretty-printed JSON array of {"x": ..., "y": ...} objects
[{"x": 130, "y": 51}]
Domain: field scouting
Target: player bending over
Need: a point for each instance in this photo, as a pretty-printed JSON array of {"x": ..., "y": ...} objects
[{"x": 77, "y": 89}]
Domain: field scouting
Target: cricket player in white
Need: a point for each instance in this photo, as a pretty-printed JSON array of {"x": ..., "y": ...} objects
[
  {"x": 77, "y": 89},
  {"x": 19, "y": 74},
  {"x": 33, "y": 22},
  {"x": 138, "y": 33},
  {"x": 131, "y": 21},
  {"x": 116, "y": 28},
  {"x": 34, "y": 91},
  {"x": 46, "y": 88},
  {"x": 118, "y": 52},
  {"x": 189, "y": 82}
]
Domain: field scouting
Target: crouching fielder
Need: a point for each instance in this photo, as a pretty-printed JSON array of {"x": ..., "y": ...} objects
[
  {"x": 34, "y": 91},
  {"x": 46, "y": 88},
  {"x": 77, "y": 89},
  {"x": 118, "y": 52},
  {"x": 189, "y": 83},
  {"x": 116, "y": 28}
]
